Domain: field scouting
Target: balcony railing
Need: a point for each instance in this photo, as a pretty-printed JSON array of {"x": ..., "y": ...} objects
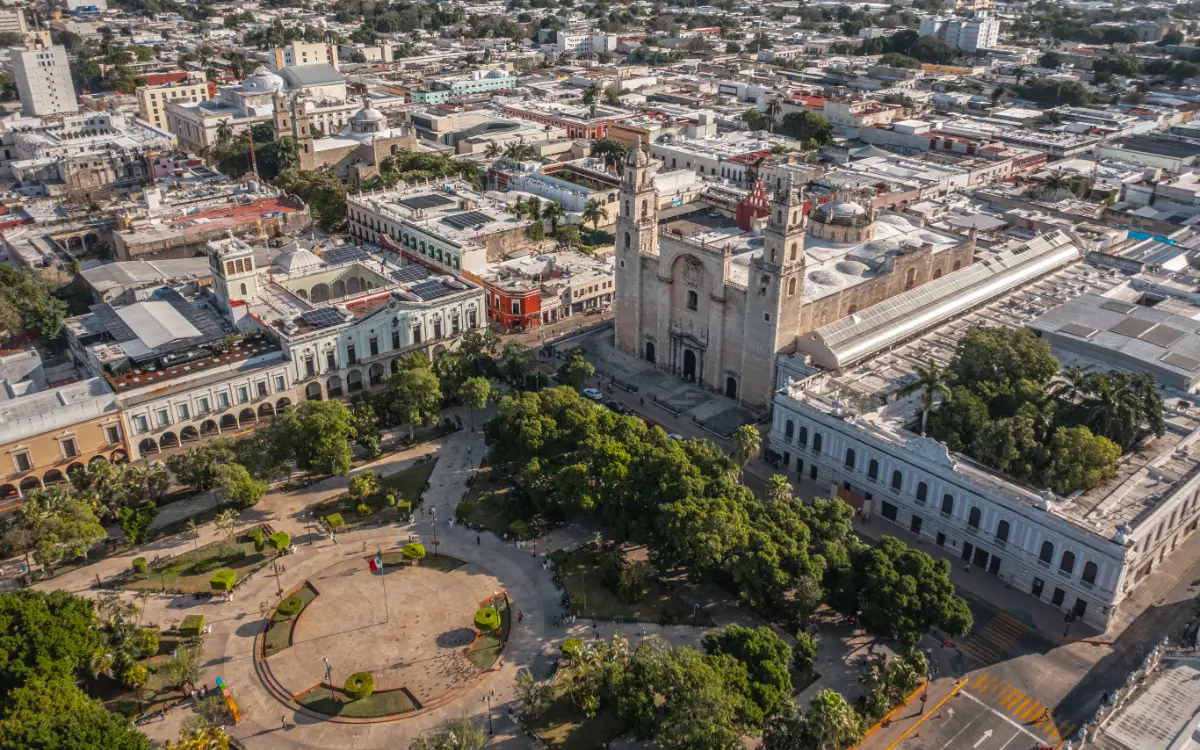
[
  {"x": 1087, "y": 585},
  {"x": 1043, "y": 564}
]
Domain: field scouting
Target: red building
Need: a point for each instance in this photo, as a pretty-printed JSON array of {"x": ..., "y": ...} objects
[
  {"x": 753, "y": 206},
  {"x": 514, "y": 306}
]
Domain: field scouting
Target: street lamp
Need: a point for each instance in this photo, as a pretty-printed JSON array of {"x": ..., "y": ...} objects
[
  {"x": 487, "y": 697},
  {"x": 433, "y": 512},
  {"x": 925, "y": 695}
]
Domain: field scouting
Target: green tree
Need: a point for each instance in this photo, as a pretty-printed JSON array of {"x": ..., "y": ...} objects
[
  {"x": 834, "y": 723},
  {"x": 1050, "y": 61},
  {"x": 366, "y": 427},
  {"x": 464, "y": 734},
  {"x": 47, "y": 713},
  {"x": 931, "y": 381},
  {"x": 319, "y": 433},
  {"x": 43, "y": 636},
  {"x": 324, "y": 193},
  {"x": 52, "y": 525},
  {"x": 807, "y": 127},
  {"x": 136, "y": 520},
  {"x": 517, "y": 362},
  {"x": 363, "y": 486},
  {"x": 756, "y": 120},
  {"x": 595, "y": 212},
  {"x": 198, "y": 467},
  {"x": 897, "y": 60},
  {"x": 746, "y": 443},
  {"x": 767, "y": 658},
  {"x": 575, "y": 371},
  {"x": 415, "y": 396},
  {"x": 235, "y": 486},
  {"x": 474, "y": 393}
]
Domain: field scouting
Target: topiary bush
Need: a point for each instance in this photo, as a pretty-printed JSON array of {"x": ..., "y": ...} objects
[
  {"x": 362, "y": 509},
  {"x": 223, "y": 580},
  {"x": 291, "y": 606},
  {"x": 404, "y": 506},
  {"x": 140, "y": 566},
  {"x": 487, "y": 619},
  {"x": 256, "y": 536},
  {"x": 146, "y": 641},
  {"x": 414, "y": 551},
  {"x": 192, "y": 625},
  {"x": 519, "y": 529},
  {"x": 360, "y": 685},
  {"x": 335, "y": 521},
  {"x": 280, "y": 540}
]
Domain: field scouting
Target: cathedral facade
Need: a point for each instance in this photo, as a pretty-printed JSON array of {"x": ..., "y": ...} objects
[{"x": 716, "y": 309}]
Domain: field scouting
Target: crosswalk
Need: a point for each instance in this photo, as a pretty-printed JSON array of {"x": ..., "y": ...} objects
[
  {"x": 1035, "y": 716},
  {"x": 989, "y": 644}
]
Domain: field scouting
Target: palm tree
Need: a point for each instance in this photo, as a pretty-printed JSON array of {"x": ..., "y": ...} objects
[
  {"x": 772, "y": 110},
  {"x": 746, "y": 444},
  {"x": 1074, "y": 383},
  {"x": 595, "y": 212},
  {"x": 1055, "y": 182},
  {"x": 590, "y": 95},
  {"x": 1019, "y": 73},
  {"x": 224, "y": 131},
  {"x": 778, "y": 488},
  {"x": 519, "y": 208},
  {"x": 226, "y": 521},
  {"x": 493, "y": 150},
  {"x": 930, "y": 381},
  {"x": 554, "y": 213},
  {"x": 535, "y": 209},
  {"x": 834, "y": 722}
]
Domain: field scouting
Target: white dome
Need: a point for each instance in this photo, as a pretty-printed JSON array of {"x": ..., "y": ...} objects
[
  {"x": 852, "y": 267},
  {"x": 844, "y": 207},
  {"x": 824, "y": 278},
  {"x": 369, "y": 114},
  {"x": 297, "y": 261},
  {"x": 262, "y": 81}
]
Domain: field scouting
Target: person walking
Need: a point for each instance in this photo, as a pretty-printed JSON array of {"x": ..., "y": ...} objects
[
  {"x": 476, "y": 539},
  {"x": 283, "y": 722},
  {"x": 520, "y": 616}
]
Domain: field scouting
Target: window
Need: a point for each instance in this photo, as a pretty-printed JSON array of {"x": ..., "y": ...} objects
[
  {"x": 437, "y": 329},
  {"x": 351, "y": 354},
  {"x": 223, "y": 400},
  {"x": 1002, "y": 532},
  {"x": 973, "y": 517},
  {"x": 373, "y": 345},
  {"x": 69, "y": 448},
  {"x": 395, "y": 339},
  {"x": 471, "y": 320},
  {"x": 164, "y": 417},
  {"x": 802, "y": 439},
  {"x": 791, "y": 287},
  {"x": 816, "y": 442},
  {"x": 261, "y": 387},
  {"x": 243, "y": 394},
  {"x": 1047, "y": 553},
  {"x": 182, "y": 411},
  {"x": 280, "y": 383},
  {"x": 873, "y": 470},
  {"x": 140, "y": 424},
  {"x": 922, "y": 492},
  {"x": 22, "y": 462},
  {"x": 112, "y": 434},
  {"x": 202, "y": 405},
  {"x": 416, "y": 334},
  {"x": 947, "y": 504},
  {"x": 330, "y": 361},
  {"x": 1067, "y": 563},
  {"x": 789, "y": 431},
  {"x": 310, "y": 369},
  {"x": 850, "y": 458},
  {"x": 897, "y": 479},
  {"x": 693, "y": 300},
  {"x": 1089, "y": 573}
]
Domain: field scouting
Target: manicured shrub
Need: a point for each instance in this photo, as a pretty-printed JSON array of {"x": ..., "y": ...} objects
[
  {"x": 487, "y": 619},
  {"x": 414, "y": 551},
  {"x": 140, "y": 566},
  {"x": 390, "y": 500},
  {"x": 223, "y": 580},
  {"x": 291, "y": 606},
  {"x": 519, "y": 529},
  {"x": 146, "y": 641},
  {"x": 362, "y": 509},
  {"x": 280, "y": 540},
  {"x": 404, "y": 506},
  {"x": 335, "y": 521},
  {"x": 360, "y": 684},
  {"x": 256, "y": 536},
  {"x": 192, "y": 625}
]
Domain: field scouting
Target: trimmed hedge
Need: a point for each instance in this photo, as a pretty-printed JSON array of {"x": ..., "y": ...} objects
[
  {"x": 192, "y": 625},
  {"x": 223, "y": 580},
  {"x": 487, "y": 619},
  {"x": 256, "y": 536},
  {"x": 140, "y": 566},
  {"x": 414, "y": 551},
  {"x": 360, "y": 684},
  {"x": 335, "y": 521},
  {"x": 291, "y": 606},
  {"x": 280, "y": 540}
]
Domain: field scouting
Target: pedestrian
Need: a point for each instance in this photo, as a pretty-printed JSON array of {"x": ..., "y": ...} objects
[
  {"x": 476, "y": 539},
  {"x": 967, "y": 568},
  {"x": 520, "y": 616},
  {"x": 364, "y": 549},
  {"x": 284, "y": 722}
]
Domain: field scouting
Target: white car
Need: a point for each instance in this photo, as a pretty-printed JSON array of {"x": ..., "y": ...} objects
[
  {"x": 676, "y": 436},
  {"x": 593, "y": 394}
]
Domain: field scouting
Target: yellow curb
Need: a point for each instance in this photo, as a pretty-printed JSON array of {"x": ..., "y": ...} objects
[
  {"x": 888, "y": 715},
  {"x": 928, "y": 713}
]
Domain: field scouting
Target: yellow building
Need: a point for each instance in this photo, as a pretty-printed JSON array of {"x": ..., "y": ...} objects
[
  {"x": 47, "y": 429},
  {"x": 153, "y": 100},
  {"x": 301, "y": 53}
]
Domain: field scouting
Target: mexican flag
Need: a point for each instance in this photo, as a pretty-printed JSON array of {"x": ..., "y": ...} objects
[{"x": 377, "y": 563}]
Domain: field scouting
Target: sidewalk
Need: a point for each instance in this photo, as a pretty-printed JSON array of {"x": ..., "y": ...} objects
[{"x": 905, "y": 721}]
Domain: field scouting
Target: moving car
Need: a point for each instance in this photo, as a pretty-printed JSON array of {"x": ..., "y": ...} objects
[{"x": 593, "y": 394}]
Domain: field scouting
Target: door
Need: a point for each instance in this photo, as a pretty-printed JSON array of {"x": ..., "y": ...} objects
[
  {"x": 941, "y": 539},
  {"x": 649, "y": 351},
  {"x": 812, "y": 472},
  {"x": 915, "y": 525},
  {"x": 1038, "y": 585},
  {"x": 689, "y": 364},
  {"x": 981, "y": 558},
  {"x": 1059, "y": 596},
  {"x": 787, "y": 459},
  {"x": 731, "y": 388},
  {"x": 1080, "y": 608},
  {"x": 968, "y": 549},
  {"x": 888, "y": 511},
  {"x": 994, "y": 565}
]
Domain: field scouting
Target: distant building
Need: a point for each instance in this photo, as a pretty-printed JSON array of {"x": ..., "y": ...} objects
[
  {"x": 44, "y": 81},
  {"x": 301, "y": 53},
  {"x": 969, "y": 34},
  {"x": 583, "y": 43},
  {"x": 153, "y": 100}
]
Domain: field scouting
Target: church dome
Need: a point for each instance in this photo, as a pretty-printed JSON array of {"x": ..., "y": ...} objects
[
  {"x": 844, "y": 207},
  {"x": 297, "y": 261},
  {"x": 262, "y": 81},
  {"x": 368, "y": 114}
]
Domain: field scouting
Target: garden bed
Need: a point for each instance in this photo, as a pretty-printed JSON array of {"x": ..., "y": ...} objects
[
  {"x": 333, "y": 701},
  {"x": 278, "y": 635},
  {"x": 156, "y": 693},
  {"x": 489, "y": 645},
  {"x": 407, "y": 485},
  {"x": 562, "y": 725},
  {"x": 580, "y": 574},
  {"x": 192, "y": 572},
  {"x": 442, "y": 563},
  {"x": 484, "y": 503}
]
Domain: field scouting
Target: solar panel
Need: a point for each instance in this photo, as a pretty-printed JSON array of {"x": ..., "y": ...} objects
[
  {"x": 431, "y": 289},
  {"x": 1162, "y": 335},
  {"x": 322, "y": 317},
  {"x": 1178, "y": 360},
  {"x": 421, "y": 202},
  {"x": 1075, "y": 329},
  {"x": 1132, "y": 327},
  {"x": 466, "y": 219},
  {"x": 344, "y": 255},
  {"x": 409, "y": 274},
  {"x": 1117, "y": 305}
]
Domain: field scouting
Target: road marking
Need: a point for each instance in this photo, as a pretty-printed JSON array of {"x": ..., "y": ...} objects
[
  {"x": 929, "y": 713},
  {"x": 1012, "y": 701},
  {"x": 994, "y": 639},
  {"x": 1024, "y": 703},
  {"x": 983, "y": 738},
  {"x": 1031, "y": 711},
  {"x": 1002, "y": 716}
]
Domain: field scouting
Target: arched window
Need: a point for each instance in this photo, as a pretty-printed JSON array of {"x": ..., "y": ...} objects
[
  {"x": 873, "y": 470},
  {"x": 957, "y": 265},
  {"x": 791, "y": 287},
  {"x": 910, "y": 278},
  {"x": 973, "y": 516},
  {"x": 645, "y": 207},
  {"x": 897, "y": 479},
  {"x": 922, "y": 492},
  {"x": 1089, "y": 573},
  {"x": 853, "y": 309},
  {"x": 802, "y": 439},
  {"x": 1002, "y": 531},
  {"x": 789, "y": 430},
  {"x": 816, "y": 442},
  {"x": 947, "y": 504},
  {"x": 793, "y": 251},
  {"x": 693, "y": 300},
  {"x": 850, "y": 458},
  {"x": 1047, "y": 553},
  {"x": 937, "y": 274},
  {"x": 1067, "y": 563}
]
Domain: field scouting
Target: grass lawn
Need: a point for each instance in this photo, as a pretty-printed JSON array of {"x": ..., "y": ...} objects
[
  {"x": 279, "y": 631},
  {"x": 485, "y": 502},
  {"x": 192, "y": 571},
  {"x": 581, "y": 575},
  {"x": 441, "y": 563},
  {"x": 335, "y": 702},
  {"x": 405, "y": 485},
  {"x": 156, "y": 693},
  {"x": 487, "y": 647},
  {"x": 562, "y": 725}
]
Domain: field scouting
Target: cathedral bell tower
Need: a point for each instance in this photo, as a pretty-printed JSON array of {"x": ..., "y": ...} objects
[
  {"x": 637, "y": 237},
  {"x": 775, "y": 291}
]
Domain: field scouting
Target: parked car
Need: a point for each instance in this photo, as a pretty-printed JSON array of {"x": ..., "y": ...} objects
[
  {"x": 676, "y": 436},
  {"x": 615, "y": 407},
  {"x": 593, "y": 394}
]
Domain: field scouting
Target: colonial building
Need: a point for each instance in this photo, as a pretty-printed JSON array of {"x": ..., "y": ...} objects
[
  {"x": 717, "y": 307},
  {"x": 355, "y": 152}
]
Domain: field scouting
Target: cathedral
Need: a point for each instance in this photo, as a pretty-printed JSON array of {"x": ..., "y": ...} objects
[{"x": 716, "y": 308}]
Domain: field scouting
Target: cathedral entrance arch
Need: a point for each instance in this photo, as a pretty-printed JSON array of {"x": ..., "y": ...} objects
[
  {"x": 731, "y": 387},
  {"x": 689, "y": 365},
  {"x": 650, "y": 351}
]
